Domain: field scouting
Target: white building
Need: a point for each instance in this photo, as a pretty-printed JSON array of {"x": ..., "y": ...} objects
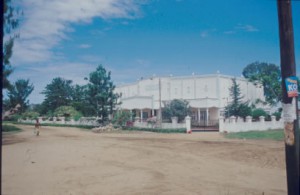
[{"x": 207, "y": 95}]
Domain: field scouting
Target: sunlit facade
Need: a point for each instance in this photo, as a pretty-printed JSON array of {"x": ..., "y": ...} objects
[{"x": 207, "y": 95}]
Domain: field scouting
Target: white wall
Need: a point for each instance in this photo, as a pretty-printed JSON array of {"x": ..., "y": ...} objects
[{"x": 232, "y": 125}]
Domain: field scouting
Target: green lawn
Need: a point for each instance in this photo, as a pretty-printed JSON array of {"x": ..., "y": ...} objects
[
  {"x": 10, "y": 128},
  {"x": 277, "y": 135}
]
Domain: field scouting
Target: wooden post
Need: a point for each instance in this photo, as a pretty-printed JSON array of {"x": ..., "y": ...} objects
[
  {"x": 289, "y": 103},
  {"x": 1, "y": 56}
]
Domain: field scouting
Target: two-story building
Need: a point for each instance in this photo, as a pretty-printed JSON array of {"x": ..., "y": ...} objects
[{"x": 207, "y": 95}]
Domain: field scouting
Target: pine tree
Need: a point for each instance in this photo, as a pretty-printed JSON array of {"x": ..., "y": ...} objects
[
  {"x": 235, "y": 92},
  {"x": 236, "y": 106},
  {"x": 100, "y": 92},
  {"x": 18, "y": 94},
  {"x": 57, "y": 93}
]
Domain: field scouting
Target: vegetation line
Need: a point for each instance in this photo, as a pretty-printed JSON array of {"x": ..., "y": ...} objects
[
  {"x": 276, "y": 135},
  {"x": 10, "y": 128}
]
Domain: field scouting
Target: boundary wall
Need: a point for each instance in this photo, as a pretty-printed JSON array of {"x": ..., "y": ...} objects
[{"x": 234, "y": 124}]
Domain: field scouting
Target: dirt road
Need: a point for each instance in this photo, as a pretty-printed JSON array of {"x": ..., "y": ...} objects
[{"x": 72, "y": 161}]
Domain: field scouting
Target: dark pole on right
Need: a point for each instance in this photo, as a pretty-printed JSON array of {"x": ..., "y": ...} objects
[{"x": 289, "y": 95}]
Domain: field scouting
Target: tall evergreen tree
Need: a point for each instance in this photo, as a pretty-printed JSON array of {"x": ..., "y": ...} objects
[
  {"x": 100, "y": 92},
  {"x": 235, "y": 92},
  {"x": 79, "y": 100},
  {"x": 236, "y": 106},
  {"x": 19, "y": 92},
  {"x": 57, "y": 93},
  {"x": 10, "y": 22}
]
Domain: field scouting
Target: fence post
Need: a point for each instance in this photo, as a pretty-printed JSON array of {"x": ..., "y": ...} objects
[
  {"x": 249, "y": 119},
  {"x": 221, "y": 124},
  {"x": 188, "y": 124},
  {"x": 174, "y": 121}
]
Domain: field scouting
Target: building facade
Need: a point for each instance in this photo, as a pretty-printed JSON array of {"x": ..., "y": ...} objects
[{"x": 207, "y": 95}]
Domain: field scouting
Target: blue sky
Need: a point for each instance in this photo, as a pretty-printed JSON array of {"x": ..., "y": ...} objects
[{"x": 134, "y": 39}]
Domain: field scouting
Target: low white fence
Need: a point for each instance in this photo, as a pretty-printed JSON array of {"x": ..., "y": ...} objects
[
  {"x": 163, "y": 125},
  {"x": 90, "y": 121},
  {"x": 234, "y": 124},
  {"x": 155, "y": 123}
]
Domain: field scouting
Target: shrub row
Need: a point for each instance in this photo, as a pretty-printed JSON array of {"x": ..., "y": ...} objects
[
  {"x": 57, "y": 125},
  {"x": 156, "y": 130}
]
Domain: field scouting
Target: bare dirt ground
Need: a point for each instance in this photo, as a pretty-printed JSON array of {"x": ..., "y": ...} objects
[{"x": 72, "y": 161}]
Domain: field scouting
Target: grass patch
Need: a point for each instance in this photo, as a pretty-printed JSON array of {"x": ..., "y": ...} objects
[
  {"x": 10, "y": 128},
  {"x": 277, "y": 135},
  {"x": 57, "y": 125},
  {"x": 156, "y": 130}
]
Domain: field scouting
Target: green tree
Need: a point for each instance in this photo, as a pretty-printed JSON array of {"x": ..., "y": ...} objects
[
  {"x": 79, "y": 100},
  {"x": 18, "y": 94},
  {"x": 269, "y": 76},
  {"x": 68, "y": 112},
  {"x": 100, "y": 92},
  {"x": 10, "y": 23},
  {"x": 30, "y": 115},
  {"x": 176, "y": 108},
  {"x": 58, "y": 93},
  {"x": 236, "y": 106}
]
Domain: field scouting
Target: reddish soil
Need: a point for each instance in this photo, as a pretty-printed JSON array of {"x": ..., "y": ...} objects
[{"x": 73, "y": 161}]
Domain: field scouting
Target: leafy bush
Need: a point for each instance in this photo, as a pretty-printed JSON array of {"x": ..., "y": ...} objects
[
  {"x": 178, "y": 108},
  {"x": 156, "y": 130},
  {"x": 152, "y": 121},
  {"x": 256, "y": 113},
  {"x": 277, "y": 115},
  {"x": 14, "y": 117},
  {"x": 9, "y": 128},
  {"x": 120, "y": 118},
  {"x": 30, "y": 115},
  {"x": 68, "y": 112}
]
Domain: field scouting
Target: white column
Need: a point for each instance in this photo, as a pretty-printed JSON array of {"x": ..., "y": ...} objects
[
  {"x": 131, "y": 115},
  {"x": 207, "y": 116},
  {"x": 188, "y": 124},
  {"x": 141, "y": 114},
  {"x": 199, "y": 115},
  {"x": 152, "y": 105}
]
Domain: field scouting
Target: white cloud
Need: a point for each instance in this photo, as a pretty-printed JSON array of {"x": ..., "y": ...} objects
[
  {"x": 142, "y": 62},
  {"x": 242, "y": 28},
  {"x": 207, "y": 32},
  {"x": 46, "y": 23},
  {"x": 230, "y": 32},
  {"x": 84, "y": 46},
  {"x": 247, "y": 28}
]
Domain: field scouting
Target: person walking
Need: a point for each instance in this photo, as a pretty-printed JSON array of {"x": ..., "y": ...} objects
[{"x": 37, "y": 128}]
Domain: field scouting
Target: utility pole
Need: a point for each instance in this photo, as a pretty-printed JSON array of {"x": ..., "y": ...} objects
[
  {"x": 160, "y": 114},
  {"x": 1, "y": 85},
  {"x": 289, "y": 95}
]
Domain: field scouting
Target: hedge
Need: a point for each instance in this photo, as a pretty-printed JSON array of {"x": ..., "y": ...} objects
[{"x": 156, "y": 130}]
